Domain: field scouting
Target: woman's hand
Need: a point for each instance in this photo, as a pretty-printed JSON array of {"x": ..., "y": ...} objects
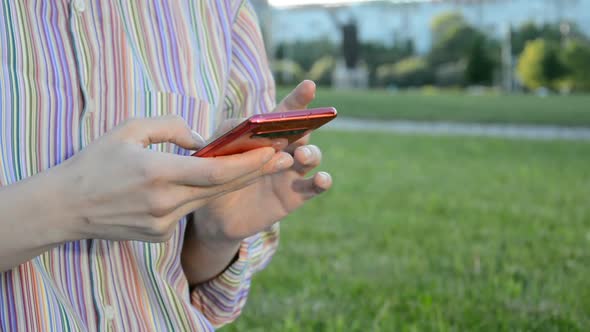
[
  {"x": 119, "y": 190},
  {"x": 116, "y": 189},
  {"x": 222, "y": 223}
]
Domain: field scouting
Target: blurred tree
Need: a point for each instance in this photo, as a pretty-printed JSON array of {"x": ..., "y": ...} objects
[
  {"x": 321, "y": 71},
  {"x": 306, "y": 53},
  {"x": 453, "y": 38},
  {"x": 528, "y": 31},
  {"x": 287, "y": 71},
  {"x": 377, "y": 54},
  {"x": 461, "y": 54},
  {"x": 409, "y": 72},
  {"x": 553, "y": 67},
  {"x": 576, "y": 57},
  {"x": 280, "y": 52},
  {"x": 539, "y": 65},
  {"x": 445, "y": 22},
  {"x": 552, "y": 32},
  {"x": 480, "y": 65},
  {"x": 451, "y": 74},
  {"x": 530, "y": 65},
  {"x": 406, "y": 47}
]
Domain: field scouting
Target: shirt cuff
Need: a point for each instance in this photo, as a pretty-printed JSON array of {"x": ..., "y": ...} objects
[{"x": 221, "y": 300}]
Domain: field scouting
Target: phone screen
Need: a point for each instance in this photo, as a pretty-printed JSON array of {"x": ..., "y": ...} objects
[{"x": 280, "y": 134}]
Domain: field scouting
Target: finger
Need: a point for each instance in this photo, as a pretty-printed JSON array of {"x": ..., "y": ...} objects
[
  {"x": 165, "y": 129},
  {"x": 307, "y": 158},
  {"x": 299, "y": 98},
  {"x": 208, "y": 172},
  {"x": 309, "y": 188},
  {"x": 281, "y": 161},
  {"x": 298, "y": 143},
  {"x": 191, "y": 200}
]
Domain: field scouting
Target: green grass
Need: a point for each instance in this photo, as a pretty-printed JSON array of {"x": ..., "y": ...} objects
[
  {"x": 434, "y": 234},
  {"x": 457, "y": 107}
]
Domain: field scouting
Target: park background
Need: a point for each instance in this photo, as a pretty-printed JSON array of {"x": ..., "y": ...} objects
[{"x": 486, "y": 229}]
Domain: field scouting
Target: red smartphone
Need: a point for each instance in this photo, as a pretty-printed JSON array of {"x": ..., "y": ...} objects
[{"x": 266, "y": 130}]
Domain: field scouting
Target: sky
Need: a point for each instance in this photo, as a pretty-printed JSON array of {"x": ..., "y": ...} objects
[{"x": 289, "y": 3}]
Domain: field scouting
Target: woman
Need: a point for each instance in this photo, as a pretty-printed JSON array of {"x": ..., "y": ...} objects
[{"x": 94, "y": 234}]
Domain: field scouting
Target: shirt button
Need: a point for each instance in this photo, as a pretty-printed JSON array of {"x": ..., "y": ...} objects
[
  {"x": 89, "y": 105},
  {"x": 80, "y": 5},
  {"x": 109, "y": 312}
]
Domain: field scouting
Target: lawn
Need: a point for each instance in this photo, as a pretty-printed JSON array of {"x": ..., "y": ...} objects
[
  {"x": 434, "y": 234},
  {"x": 457, "y": 107}
]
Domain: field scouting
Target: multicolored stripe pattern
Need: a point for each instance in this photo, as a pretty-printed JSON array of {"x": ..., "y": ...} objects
[{"x": 71, "y": 71}]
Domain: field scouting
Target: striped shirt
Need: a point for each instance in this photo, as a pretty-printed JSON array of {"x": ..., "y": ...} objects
[{"x": 71, "y": 70}]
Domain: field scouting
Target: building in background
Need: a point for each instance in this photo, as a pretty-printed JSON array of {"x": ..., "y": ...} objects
[
  {"x": 386, "y": 21},
  {"x": 401, "y": 24}
]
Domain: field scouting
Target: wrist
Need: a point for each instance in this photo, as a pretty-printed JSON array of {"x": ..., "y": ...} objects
[
  {"x": 59, "y": 203},
  {"x": 210, "y": 234},
  {"x": 205, "y": 256},
  {"x": 41, "y": 204},
  {"x": 213, "y": 228}
]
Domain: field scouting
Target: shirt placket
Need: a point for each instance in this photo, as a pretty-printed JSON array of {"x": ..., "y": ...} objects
[{"x": 80, "y": 15}]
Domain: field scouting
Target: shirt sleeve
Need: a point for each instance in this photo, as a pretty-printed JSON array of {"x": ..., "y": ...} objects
[
  {"x": 250, "y": 90},
  {"x": 221, "y": 300}
]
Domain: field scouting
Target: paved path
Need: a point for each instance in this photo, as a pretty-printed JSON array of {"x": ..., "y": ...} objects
[{"x": 470, "y": 129}]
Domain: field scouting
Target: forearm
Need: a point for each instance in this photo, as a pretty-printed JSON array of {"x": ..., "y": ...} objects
[
  {"x": 222, "y": 298},
  {"x": 202, "y": 259},
  {"x": 33, "y": 220}
]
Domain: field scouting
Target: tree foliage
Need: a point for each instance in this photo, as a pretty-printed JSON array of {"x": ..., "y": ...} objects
[
  {"x": 576, "y": 57},
  {"x": 461, "y": 53},
  {"x": 445, "y": 22},
  {"x": 453, "y": 38},
  {"x": 550, "y": 32},
  {"x": 306, "y": 53},
  {"x": 409, "y": 72},
  {"x": 480, "y": 65},
  {"x": 377, "y": 54},
  {"x": 540, "y": 65},
  {"x": 530, "y": 31},
  {"x": 321, "y": 71}
]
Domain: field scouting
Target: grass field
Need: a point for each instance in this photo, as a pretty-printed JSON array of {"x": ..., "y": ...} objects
[
  {"x": 457, "y": 107},
  {"x": 435, "y": 234}
]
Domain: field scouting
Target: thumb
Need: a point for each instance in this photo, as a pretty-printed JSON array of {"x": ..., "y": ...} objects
[
  {"x": 165, "y": 129},
  {"x": 299, "y": 98}
]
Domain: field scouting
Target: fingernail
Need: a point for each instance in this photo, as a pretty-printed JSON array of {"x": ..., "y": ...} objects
[
  {"x": 283, "y": 162},
  {"x": 198, "y": 138},
  {"x": 324, "y": 177},
  {"x": 268, "y": 156},
  {"x": 277, "y": 145},
  {"x": 306, "y": 153}
]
